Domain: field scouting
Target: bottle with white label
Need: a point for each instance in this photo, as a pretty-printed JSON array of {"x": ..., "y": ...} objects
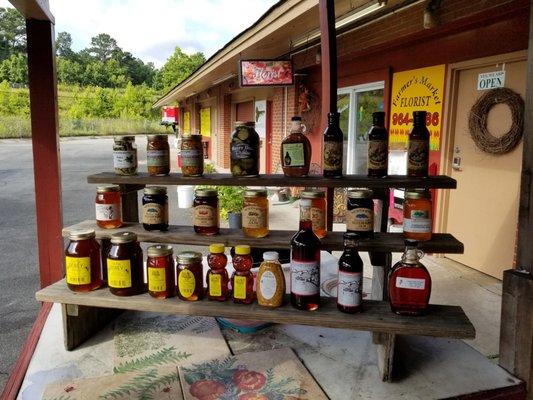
[
  {"x": 409, "y": 283},
  {"x": 296, "y": 150},
  {"x": 270, "y": 281},
  {"x": 350, "y": 278}
]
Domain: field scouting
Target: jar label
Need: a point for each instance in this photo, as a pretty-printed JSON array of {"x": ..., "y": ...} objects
[
  {"x": 124, "y": 158},
  {"x": 242, "y": 151},
  {"x": 119, "y": 273},
  {"x": 191, "y": 157},
  {"x": 78, "y": 270},
  {"x": 215, "y": 285},
  {"x": 268, "y": 285},
  {"x": 350, "y": 289},
  {"x": 157, "y": 279},
  {"x": 239, "y": 288},
  {"x": 418, "y": 155},
  {"x": 186, "y": 283},
  {"x": 378, "y": 154},
  {"x": 420, "y": 222},
  {"x": 293, "y": 155},
  {"x": 332, "y": 155},
  {"x": 305, "y": 210},
  {"x": 155, "y": 213},
  {"x": 318, "y": 218},
  {"x": 254, "y": 217},
  {"x": 204, "y": 216},
  {"x": 107, "y": 212},
  {"x": 305, "y": 277},
  {"x": 157, "y": 158},
  {"x": 410, "y": 283},
  {"x": 360, "y": 220}
]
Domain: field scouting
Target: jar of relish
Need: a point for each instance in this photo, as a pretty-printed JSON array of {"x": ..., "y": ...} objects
[
  {"x": 190, "y": 276},
  {"x": 83, "y": 265},
  {"x": 360, "y": 212},
  {"x": 205, "y": 212},
  {"x": 125, "y": 273},
  {"x": 158, "y": 155},
  {"x": 255, "y": 213},
  {"x": 108, "y": 204},
  {"x": 217, "y": 276},
  {"x": 155, "y": 208},
  {"x": 161, "y": 271},
  {"x": 192, "y": 155}
]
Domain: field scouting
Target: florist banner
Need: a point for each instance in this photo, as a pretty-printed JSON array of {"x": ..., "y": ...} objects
[
  {"x": 266, "y": 72},
  {"x": 416, "y": 90}
]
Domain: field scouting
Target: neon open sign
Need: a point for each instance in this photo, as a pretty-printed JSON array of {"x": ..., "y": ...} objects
[{"x": 266, "y": 73}]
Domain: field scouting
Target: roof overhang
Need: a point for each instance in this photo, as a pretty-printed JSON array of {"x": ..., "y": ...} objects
[{"x": 34, "y": 9}]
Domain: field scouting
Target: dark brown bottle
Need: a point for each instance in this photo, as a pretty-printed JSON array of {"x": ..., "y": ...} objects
[
  {"x": 296, "y": 151},
  {"x": 418, "y": 146},
  {"x": 350, "y": 280},
  {"x": 378, "y": 146},
  {"x": 333, "y": 143}
]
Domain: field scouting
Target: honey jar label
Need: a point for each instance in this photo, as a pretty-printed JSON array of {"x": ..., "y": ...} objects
[
  {"x": 378, "y": 153},
  {"x": 254, "y": 217},
  {"x": 155, "y": 213},
  {"x": 410, "y": 283},
  {"x": 318, "y": 218},
  {"x": 360, "y": 220},
  {"x": 186, "y": 283},
  {"x": 418, "y": 155},
  {"x": 204, "y": 216},
  {"x": 239, "y": 287},
  {"x": 215, "y": 285},
  {"x": 78, "y": 270},
  {"x": 332, "y": 155},
  {"x": 157, "y": 280},
  {"x": 293, "y": 155},
  {"x": 157, "y": 158},
  {"x": 107, "y": 212},
  {"x": 124, "y": 158},
  {"x": 305, "y": 277},
  {"x": 420, "y": 222},
  {"x": 350, "y": 289},
  {"x": 119, "y": 273},
  {"x": 268, "y": 285}
]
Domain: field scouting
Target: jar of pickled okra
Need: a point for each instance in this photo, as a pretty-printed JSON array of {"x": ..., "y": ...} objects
[
  {"x": 108, "y": 204},
  {"x": 155, "y": 208},
  {"x": 205, "y": 212},
  {"x": 158, "y": 155},
  {"x": 160, "y": 271},
  {"x": 83, "y": 266},
  {"x": 190, "y": 276},
  {"x": 125, "y": 273},
  {"x": 255, "y": 213},
  {"x": 124, "y": 155},
  {"x": 192, "y": 155}
]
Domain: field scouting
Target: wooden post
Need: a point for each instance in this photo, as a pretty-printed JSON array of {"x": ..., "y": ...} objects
[{"x": 328, "y": 48}]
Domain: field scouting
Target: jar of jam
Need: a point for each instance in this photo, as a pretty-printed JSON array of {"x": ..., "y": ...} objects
[
  {"x": 217, "y": 276},
  {"x": 360, "y": 212},
  {"x": 190, "y": 276},
  {"x": 205, "y": 212},
  {"x": 255, "y": 213},
  {"x": 125, "y": 273},
  {"x": 242, "y": 280},
  {"x": 161, "y": 271},
  {"x": 124, "y": 155},
  {"x": 155, "y": 208},
  {"x": 108, "y": 204},
  {"x": 313, "y": 207},
  {"x": 158, "y": 155},
  {"x": 192, "y": 155},
  {"x": 417, "y": 215},
  {"x": 244, "y": 150},
  {"x": 83, "y": 265}
]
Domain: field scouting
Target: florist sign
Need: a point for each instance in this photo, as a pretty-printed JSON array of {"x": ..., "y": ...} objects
[{"x": 266, "y": 72}]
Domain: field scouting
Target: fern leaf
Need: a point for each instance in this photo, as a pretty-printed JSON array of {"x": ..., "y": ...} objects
[
  {"x": 130, "y": 387},
  {"x": 164, "y": 356}
]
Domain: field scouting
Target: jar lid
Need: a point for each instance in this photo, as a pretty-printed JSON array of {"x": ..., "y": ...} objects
[
  {"x": 159, "y": 250},
  {"x": 123, "y": 237},
  {"x": 312, "y": 194},
  {"x": 255, "y": 193},
  {"x": 194, "y": 138},
  {"x": 360, "y": 194},
  {"x": 206, "y": 192},
  {"x": 155, "y": 190},
  {"x": 81, "y": 234},
  {"x": 107, "y": 188},
  {"x": 271, "y": 256},
  {"x": 189, "y": 257},
  {"x": 242, "y": 249},
  {"x": 124, "y": 138},
  {"x": 158, "y": 137},
  {"x": 296, "y": 118},
  {"x": 216, "y": 248},
  {"x": 418, "y": 194}
]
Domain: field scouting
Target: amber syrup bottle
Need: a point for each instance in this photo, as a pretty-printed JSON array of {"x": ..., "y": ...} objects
[
  {"x": 350, "y": 280},
  {"x": 333, "y": 144},
  {"x": 217, "y": 276},
  {"x": 296, "y": 151},
  {"x": 418, "y": 146},
  {"x": 378, "y": 146},
  {"x": 305, "y": 266},
  {"x": 409, "y": 283},
  {"x": 242, "y": 280}
]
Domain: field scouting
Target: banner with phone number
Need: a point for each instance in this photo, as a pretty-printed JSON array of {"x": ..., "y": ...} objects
[{"x": 416, "y": 90}]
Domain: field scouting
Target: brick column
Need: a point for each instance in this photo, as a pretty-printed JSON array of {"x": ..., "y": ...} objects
[{"x": 224, "y": 107}]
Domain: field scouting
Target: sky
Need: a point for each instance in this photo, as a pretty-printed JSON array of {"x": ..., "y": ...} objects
[{"x": 151, "y": 30}]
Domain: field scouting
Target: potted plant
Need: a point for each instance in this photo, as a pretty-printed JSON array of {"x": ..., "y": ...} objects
[{"x": 230, "y": 200}]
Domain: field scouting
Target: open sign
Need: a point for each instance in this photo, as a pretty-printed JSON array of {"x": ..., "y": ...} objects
[{"x": 491, "y": 80}]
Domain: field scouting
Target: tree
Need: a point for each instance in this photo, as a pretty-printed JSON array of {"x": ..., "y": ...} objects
[
  {"x": 64, "y": 45},
  {"x": 69, "y": 71},
  {"x": 103, "y": 46},
  {"x": 12, "y": 33},
  {"x": 177, "y": 67},
  {"x": 14, "y": 69},
  {"x": 138, "y": 71}
]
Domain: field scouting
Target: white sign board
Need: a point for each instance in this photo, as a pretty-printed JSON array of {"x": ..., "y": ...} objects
[
  {"x": 491, "y": 80},
  {"x": 260, "y": 117}
]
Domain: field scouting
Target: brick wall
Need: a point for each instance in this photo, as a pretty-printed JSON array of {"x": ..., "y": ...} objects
[{"x": 224, "y": 110}]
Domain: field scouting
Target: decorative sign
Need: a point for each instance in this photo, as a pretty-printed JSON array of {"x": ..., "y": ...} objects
[
  {"x": 205, "y": 122},
  {"x": 187, "y": 123},
  {"x": 169, "y": 115},
  {"x": 266, "y": 73},
  {"x": 491, "y": 80},
  {"x": 416, "y": 90},
  {"x": 260, "y": 117}
]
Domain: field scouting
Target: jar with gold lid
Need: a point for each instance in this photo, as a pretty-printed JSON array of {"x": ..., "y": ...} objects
[
  {"x": 205, "y": 212},
  {"x": 108, "y": 204},
  {"x": 158, "y": 155},
  {"x": 155, "y": 208},
  {"x": 190, "y": 276},
  {"x": 83, "y": 265},
  {"x": 255, "y": 213},
  {"x": 124, "y": 155},
  {"x": 417, "y": 215},
  {"x": 360, "y": 212},
  {"x": 313, "y": 207},
  {"x": 192, "y": 155},
  {"x": 125, "y": 265},
  {"x": 160, "y": 271}
]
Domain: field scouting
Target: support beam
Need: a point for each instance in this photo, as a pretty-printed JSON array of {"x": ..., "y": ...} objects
[
  {"x": 328, "y": 48},
  {"x": 34, "y": 9}
]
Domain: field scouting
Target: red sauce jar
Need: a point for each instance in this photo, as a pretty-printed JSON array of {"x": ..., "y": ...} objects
[
  {"x": 205, "y": 212},
  {"x": 82, "y": 262},
  {"x": 217, "y": 276},
  {"x": 108, "y": 204},
  {"x": 161, "y": 271}
]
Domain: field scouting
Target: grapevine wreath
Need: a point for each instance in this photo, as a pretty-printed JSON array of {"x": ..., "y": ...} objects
[{"x": 477, "y": 121}]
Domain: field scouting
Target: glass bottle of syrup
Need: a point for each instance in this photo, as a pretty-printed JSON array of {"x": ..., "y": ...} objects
[
  {"x": 305, "y": 266},
  {"x": 296, "y": 151},
  {"x": 418, "y": 146},
  {"x": 378, "y": 146},
  {"x": 350, "y": 280},
  {"x": 333, "y": 143},
  {"x": 409, "y": 282}
]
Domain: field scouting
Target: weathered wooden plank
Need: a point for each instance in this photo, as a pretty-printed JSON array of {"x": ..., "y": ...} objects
[
  {"x": 382, "y": 242},
  {"x": 385, "y": 346},
  {"x": 380, "y": 275},
  {"x": 130, "y": 203},
  {"x": 441, "y": 321}
]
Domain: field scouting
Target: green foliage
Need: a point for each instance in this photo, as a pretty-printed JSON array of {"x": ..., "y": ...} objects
[
  {"x": 103, "y": 46},
  {"x": 13, "y": 101},
  {"x": 12, "y": 33},
  {"x": 230, "y": 199},
  {"x": 14, "y": 69},
  {"x": 64, "y": 45},
  {"x": 178, "y": 67},
  {"x": 166, "y": 355}
]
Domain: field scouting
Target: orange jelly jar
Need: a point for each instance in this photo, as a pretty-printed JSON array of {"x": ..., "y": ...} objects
[
  {"x": 417, "y": 211},
  {"x": 313, "y": 207},
  {"x": 108, "y": 204}
]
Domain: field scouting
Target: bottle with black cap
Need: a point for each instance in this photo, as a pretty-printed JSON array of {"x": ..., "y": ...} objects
[
  {"x": 418, "y": 146},
  {"x": 378, "y": 146},
  {"x": 333, "y": 147}
]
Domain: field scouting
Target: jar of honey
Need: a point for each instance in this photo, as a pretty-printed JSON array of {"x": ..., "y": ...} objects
[
  {"x": 217, "y": 276},
  {"x": 161, "y": 271},
  {"x": 417, "y": 214},
  {"x": 190, "y": 276},
  {"x": 313, "y": 207},
  {"x": 108, "y": 204},
  {"x": 242, "y": 280},
  {"x": 158, "y": 155},
  {"x": 125, "y": 273},
  {"x": 205, "y": 212},
  {"x": 255, "y": 213},
  {"x": 83, "y": 265}
]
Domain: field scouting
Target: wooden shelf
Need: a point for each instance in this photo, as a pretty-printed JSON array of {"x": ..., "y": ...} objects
[
  {"x": 441, "y": 321},
  {"x": 382, "y": 242},
  {"x": 279, "y": 180}
]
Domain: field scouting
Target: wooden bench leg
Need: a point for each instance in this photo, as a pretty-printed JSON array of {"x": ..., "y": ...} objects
[
  {"x": 385, "y": 344},
  {"x": 82, "y": 322},
  {"x": 381, "y": 264}
]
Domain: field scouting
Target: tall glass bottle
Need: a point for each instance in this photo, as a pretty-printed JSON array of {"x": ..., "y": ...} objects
[
  {"x": 378, "y": 146},
  {"x": 418, "y": 147},
  {"x": 350, "y": 281},
  {"x": 296, "y": 151},
  {"x": 333, "y": 142}
]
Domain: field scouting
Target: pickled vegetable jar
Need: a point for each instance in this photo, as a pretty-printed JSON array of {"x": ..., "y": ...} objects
[
  {"x": 255, "y": 213},
  {"x": 192, "y": 155},
  {"x": 205, "y": 212},
  {"x": 158, "y": 155},
  {"x": 124, "y": 155},
  {"x": 244, "y": 154},
  {"x": 125, "y": 265},
  {"x": 83, "y": 265},
  {"x": 108, "y": 204},
  {"x": 161, "y": 271},
  {"x": 190, "y": 276}
]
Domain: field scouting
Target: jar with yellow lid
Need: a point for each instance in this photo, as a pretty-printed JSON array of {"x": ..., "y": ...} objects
[
  {"x": 217, "y": 276},
  {"x": 83, "y": 265},
  {"x": 417, "y": 215},
  {"x": 190, "y": 276},
  {"x": 255, "y": 213},
  {"x": 242, "y": 280}
]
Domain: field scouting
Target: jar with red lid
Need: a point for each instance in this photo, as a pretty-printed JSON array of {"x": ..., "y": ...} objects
[
  {"x": 125, "y": 272},
  {"x": 417, "y": 212},
  {"x": 158, "y": 155},
  {"x": 108, "y": 204},
  {"x": 82, "y": 262},
  {"x": 161, "y": 271},
  {"x": 217, "y": 276},
  {"x": 205, "y": 212}
]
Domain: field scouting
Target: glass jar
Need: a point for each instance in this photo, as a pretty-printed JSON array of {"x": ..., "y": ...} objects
[
  {"x": 244, "y": 155},
  {"x": 108, "y": 204},
  {"x": 417, "y": 215},
  {"x": 190, "y": 276},
  {"x": 192, "y": 155},
  {"x": 205, "y": 212},
  {"x": 255, "y": 213},
  {"x": 158, "y": 155},
  {"x": 124, "y": 155},
  {"x": 125, "y": 273},
  {"x": 155, "y": 208},
  {"x": 242, "y": 280},
  {"x": 217, "y": 276},
  {"x": 161, "y": 271},
  {"x": 296, "y": 151},
  {"x": 83, "y": 265},
  {"x": 313, "y": 207},
  {"x": 360, "y": 212}
]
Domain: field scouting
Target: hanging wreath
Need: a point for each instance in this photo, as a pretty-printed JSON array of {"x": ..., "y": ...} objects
[{"x": 477, "y": 121}]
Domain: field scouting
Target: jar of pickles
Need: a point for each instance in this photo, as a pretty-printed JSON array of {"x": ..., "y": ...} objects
[
  {"x": 161, "y": 271},
  {"x": 190, "y": 276},
  {"x": 83, "y": 265},
  {"x": 158, "y": 155},
  {"x": 205, "y": 212},
  {"x": 108, "y": 204},
  {"x": 155, "y": 208},
  {"x": 124, "y": 155},
  {"x": 125, "y": 273},
  {"x": 313, "y": 207},
  {"x": 360, "y": 212},
  {"x": 417, "y": 215},
  {"x": 255, "y": 213},
  {"x": 244, "y": 151},
  {"x": 192, "y": 155}
]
